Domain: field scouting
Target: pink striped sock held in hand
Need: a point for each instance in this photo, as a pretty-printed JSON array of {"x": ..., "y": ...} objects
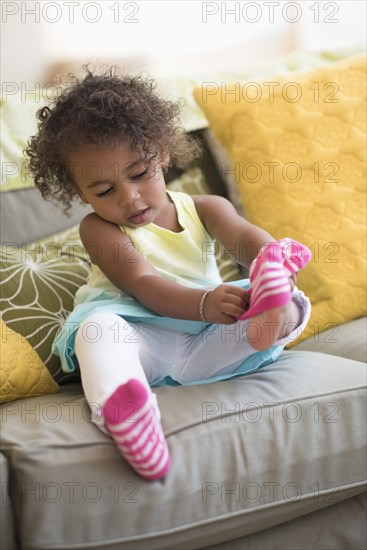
[
  {"x": 270, "y": 272},
  {"x": 132, "y": 421}
]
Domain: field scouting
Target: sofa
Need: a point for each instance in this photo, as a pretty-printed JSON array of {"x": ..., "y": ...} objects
[{"x": 272, "y": 460}]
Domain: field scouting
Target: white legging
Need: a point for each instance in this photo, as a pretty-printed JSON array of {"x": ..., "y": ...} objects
[
  {"x": 111, "y": 351},
  {"x": 108, "y": 356}
]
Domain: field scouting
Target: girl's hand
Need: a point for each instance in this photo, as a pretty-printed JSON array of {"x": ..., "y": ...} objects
[{"x": 225, "y": 304}]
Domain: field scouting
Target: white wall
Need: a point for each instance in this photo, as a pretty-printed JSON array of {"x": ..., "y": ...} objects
[
  {"x": 333, "y": 25},
  {"x": 169, "y": 37}
]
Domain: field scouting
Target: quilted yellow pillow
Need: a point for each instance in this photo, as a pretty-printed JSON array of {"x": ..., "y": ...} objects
[
  {"x": 298, "y": 150},
  {"x": 22, "y": 373}
]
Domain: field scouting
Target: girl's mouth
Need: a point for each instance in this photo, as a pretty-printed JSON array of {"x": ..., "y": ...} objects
[{"x": 141, "y": 216}]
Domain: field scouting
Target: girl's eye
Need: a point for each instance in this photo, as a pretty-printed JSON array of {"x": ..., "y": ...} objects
[
  {"x": 140, "y": 175},
  {"x": 104, "y": 192}
]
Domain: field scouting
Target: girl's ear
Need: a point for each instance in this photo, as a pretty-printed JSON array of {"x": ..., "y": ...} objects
[
  {"x": 165, "y": 158},
  {"x": 81, "y": 196}
]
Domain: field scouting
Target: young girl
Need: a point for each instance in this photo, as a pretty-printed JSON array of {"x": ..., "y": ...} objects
[{"x": 155, "y": 310}]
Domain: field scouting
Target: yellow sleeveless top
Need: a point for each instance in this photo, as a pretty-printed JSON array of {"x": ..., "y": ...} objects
[{"x": 186, "y": 257}]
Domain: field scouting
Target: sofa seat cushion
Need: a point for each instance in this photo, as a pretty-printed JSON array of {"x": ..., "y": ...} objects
[
  {"x": 337, "y": 527},
  {"x": 247, "y": 454},
  {"x": 347, "y": 340}
]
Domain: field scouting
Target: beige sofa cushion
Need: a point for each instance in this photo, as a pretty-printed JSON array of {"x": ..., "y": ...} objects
[
  {"x": 338, "y": 527},
  {"x": 247, "y": 454},
  {"x": 347, "y": 340}
]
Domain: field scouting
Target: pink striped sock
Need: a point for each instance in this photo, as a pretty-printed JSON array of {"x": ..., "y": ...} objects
[
  {"x": 295, "y": 255},
  {"x": 270, "y": 272},
  {"x": 132, "y": 421}
]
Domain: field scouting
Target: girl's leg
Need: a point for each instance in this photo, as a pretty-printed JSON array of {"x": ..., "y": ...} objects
[
  {"x": 221, "y": 349},
  {"x": 114, "y": 382}
]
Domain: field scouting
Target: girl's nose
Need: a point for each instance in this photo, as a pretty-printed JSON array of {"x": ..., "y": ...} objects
[{"x": 128, "y": 196}]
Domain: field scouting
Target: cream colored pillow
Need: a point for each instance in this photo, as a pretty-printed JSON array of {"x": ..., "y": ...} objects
[
  {"x": 22, "y": 373},
  {"x": 298, "y": 150}
]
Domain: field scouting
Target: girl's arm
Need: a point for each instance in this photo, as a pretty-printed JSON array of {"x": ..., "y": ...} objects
[
  {"x": 241, "y": 239},
  {"x": 129, "y": 271}
]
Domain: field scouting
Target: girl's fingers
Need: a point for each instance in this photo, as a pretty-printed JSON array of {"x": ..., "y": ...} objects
[
  {"x": 233, "y": 310},
  {"x": 229, "y": 302},
  {"x": 242, "y": 300}
]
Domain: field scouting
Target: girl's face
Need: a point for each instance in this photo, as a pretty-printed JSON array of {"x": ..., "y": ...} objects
[{"x": 119, "y": 185}]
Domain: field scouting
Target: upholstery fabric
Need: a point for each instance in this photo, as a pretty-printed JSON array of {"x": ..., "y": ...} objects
[
  {"x": 38, "y": 284},
  {"x": 22, "y": 373},
  {"x": 340, "y": 526},
  {"x": 347, "y": 340},
  {"x": 7, "y": 527},
  {"x": 247, "y": 455}
]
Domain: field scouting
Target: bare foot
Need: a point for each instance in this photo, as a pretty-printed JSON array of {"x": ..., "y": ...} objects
[{"x": 271, "y": 325}]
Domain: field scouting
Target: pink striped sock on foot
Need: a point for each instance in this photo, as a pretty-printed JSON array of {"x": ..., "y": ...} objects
[
  {"x": 295, "y": 255},
  {"x": 132, "y": 421},
  {"x": 270, "y": 272}
]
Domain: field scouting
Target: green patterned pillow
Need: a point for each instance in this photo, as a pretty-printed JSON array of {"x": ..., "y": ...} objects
[
  {"x": 39, "y": 281},
  {"x": 38, "y": 284}
]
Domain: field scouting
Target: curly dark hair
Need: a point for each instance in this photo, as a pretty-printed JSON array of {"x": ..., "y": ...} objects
[{"x": 105, "y": 109}]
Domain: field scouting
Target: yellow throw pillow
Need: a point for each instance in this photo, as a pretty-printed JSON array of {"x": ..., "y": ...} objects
[
  {"x": 297, "y": 145},
  {"x": 22, "y": 373}
]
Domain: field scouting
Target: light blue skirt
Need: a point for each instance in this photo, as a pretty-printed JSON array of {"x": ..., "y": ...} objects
[{"x": 133, "y": 312}]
